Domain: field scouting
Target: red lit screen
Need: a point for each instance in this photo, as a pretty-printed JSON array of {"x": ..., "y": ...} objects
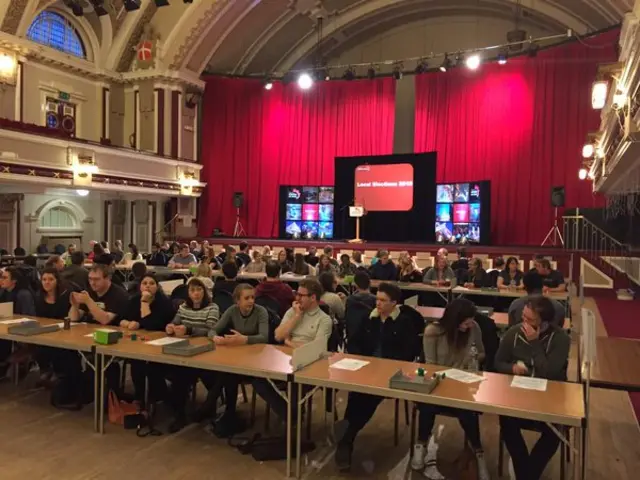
[
  {"x": 310, "y": 212},
  {"x": 380, "y": 188},
  {"x": 461, "y": 213}
]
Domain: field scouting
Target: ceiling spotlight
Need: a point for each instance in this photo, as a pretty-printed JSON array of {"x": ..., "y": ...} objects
[
  {"x": 588, "y": 150},
  {"x": 397, "y": 72},
  {"x": 322, "y": 75},
  {"x": 422, "y": 66},
  {"x": 75, "y": 7},
  {"x": 582, "y": 173},
  {"x": 131, "y": 5},
  {"x": 162, "y": 3},
  {"x": 268, "y": 84},
  {"x": 349, "y": 74},
  {"x": 305, "y": 82},
  {"x": 446, "y": 63},
  {"x": 502, "y": 58},
  {"x": 599, "y": 92},
  {"x": 82, "y": 193},
  {"x": 371, "y": 72},
  {"x": 473, "y": 61}
]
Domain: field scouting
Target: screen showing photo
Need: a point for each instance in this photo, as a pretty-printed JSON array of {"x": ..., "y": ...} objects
[
  {"x": 474, "y": 232},
  {"x": 474, "y": 193},
  {"x": 293, "y": 230},
  {"x": 325, "y": 213},
  {"x": 325, "y": 230},
  {"x": 309, "y": 229},
  {"x": 310, "y": 212},
  {"x": 461, "y": 213},
  {"x": 474, "y": 212},
  {"x": 309, "y": 194},
  {"x": 444, "y": 231},
  {"x": 294, "y": 211},
  {"x": 460, "y": 231},
  {"x": 325, "y": 195},
  {"x": 294, "y": 194},
  {"x": 384, "y": 188},
  {"x": 444, "y": 194},
  {"x": 461, "y": 193},
  {"x": 443, "y": 212}
]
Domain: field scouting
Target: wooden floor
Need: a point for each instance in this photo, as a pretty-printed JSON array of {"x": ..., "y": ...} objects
[{"x": 40, "y": 442}]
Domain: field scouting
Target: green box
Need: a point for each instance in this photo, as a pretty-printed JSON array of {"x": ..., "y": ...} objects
[{"x": 105, "y": 336}]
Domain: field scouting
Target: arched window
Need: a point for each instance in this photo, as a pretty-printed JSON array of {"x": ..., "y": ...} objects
[
  {"x": 58, "y": 218},
  {"x": 55, "y": 31}
]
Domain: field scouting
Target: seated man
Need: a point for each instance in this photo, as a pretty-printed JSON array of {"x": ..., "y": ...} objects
[
  {"x": 552, "y": 280},
  {"x": 229, "y": 282},
  {"x": 76, "y": 273},
  {"x": 104, "y": 303},
  {"x": 536, "y": 348},
  {"x": 532, "y": 282},
  {"x": 157, "y": 257},
  {"x": 275, "y": 288},
  {"x": 393, "y": 335},
  {"x": 184, "y": 259},
  {"x": 384, "y": 268},
  {"x": 304, "y": 322}
]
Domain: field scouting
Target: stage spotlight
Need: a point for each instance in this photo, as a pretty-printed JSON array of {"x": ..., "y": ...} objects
[
  {"x": 75, "y": 7},
  {"x": 473, "y": 61},
  {"x": 421, "y": 67},
  {"x": 397, "y": 72},
  {"x": 446, "y": 63},
  {"x": 131, "y": 5},
  {"x": 162, "y": 3},
  {"x": 599, "y": 92},
  {"x": 268, "y": 84},
  {"x": 349, "y": 74},
  {"x": 588, "y": 150},
  {"x": 371, "y": 73},
  {"x": 322, "y": 75},
  {"x": 305, "y": 82},
  {"x": 502, "y": 58},
  {"x": 582, "y": 173}
]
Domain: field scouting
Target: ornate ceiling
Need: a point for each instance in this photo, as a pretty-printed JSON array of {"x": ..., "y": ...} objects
[{"x": 250, "y": 36}]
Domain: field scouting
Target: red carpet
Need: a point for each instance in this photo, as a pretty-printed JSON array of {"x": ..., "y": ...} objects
[{"x": 619, "y": 319}]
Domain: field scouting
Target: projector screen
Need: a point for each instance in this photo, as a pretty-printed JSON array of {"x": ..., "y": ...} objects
[{"x": 384, "y": 188}]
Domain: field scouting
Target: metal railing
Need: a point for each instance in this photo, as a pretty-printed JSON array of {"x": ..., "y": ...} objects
[{"x": 584, "y": 236}]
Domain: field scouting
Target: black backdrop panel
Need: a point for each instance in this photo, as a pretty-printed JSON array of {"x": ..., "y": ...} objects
[{"x": 415, "y": 225}]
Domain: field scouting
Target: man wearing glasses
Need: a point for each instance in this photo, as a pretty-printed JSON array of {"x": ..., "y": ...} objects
[{"x": 303, "y": 323}]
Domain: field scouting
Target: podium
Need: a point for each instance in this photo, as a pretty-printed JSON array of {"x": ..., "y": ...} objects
[{"x": 357, "y": 211}]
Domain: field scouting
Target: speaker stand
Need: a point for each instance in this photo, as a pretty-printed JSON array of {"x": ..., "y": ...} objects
[
  {"x": 554, "y": 232},
  {"x": 238, "y": 231}
]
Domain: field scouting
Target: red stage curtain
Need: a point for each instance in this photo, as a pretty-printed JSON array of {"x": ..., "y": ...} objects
[
  {"x": 255, "y": 140},
  {"x": 521, "y": 126}
]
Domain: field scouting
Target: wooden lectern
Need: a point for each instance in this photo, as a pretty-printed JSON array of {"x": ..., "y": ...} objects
[{"x": 356, "y": 211}]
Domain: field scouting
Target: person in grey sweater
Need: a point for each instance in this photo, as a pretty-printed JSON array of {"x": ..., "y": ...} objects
[
  {"x": 441, "y": 274},
  {"x": 449, "y": 342},
  {"x": 537, "y": 347}
]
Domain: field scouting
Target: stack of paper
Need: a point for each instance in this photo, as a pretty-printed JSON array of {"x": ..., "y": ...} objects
[
  {"x": 349, "y": 364},
  {"x": 462, "y": 376},
  {"x": 530, "y": 383}
]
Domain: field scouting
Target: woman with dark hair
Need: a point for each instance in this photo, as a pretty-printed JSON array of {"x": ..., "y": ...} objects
[
  {"x": 51, "y": 301},
  {"x": 511, "y": 276},
  {"x": 334, "y": 300},
  {"x": 133, "y": 255},
  {"x": 151, "y": 310},
  {"x": 15, "y": 288},
  {"x": 283, "y": 261},
  {"x": 98, "y": 251},
  {"x": 454, "y": 341},
  {"x": 476, "y": 276},
  {"x": 346, "y": 267},
  {"x": 196, "y": 317},
  {"x": 301, "y": 267},
  {"x": 325, "y": 265}
]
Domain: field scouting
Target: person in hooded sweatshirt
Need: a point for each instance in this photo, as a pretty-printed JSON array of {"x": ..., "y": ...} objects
[
  {"x": 276, "y": 289},
  {"x": 536, "y": 347},
  {"x": 384, "y": 268}
]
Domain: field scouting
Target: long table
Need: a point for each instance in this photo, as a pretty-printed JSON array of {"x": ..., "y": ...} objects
[
  {"x": 561, "y": 404},
  {"x": 616, "y": 364}
]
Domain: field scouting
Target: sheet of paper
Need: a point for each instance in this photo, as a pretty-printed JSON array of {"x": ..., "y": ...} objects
[
  {"x": 349, "y": 364},
  {"x": 530, "y": 383},
  {"x": 164, "y": 341},
  {"x": 12, "y": 322},
  {"x": 89, "y": 335},
  {"x": 462, "y": 376}
]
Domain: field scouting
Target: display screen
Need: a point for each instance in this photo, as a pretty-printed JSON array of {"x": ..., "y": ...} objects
[
  {"x": 384, "y": 188},
  {"x": 458, "y": 212},
  {"x": 307, "y": 212}
]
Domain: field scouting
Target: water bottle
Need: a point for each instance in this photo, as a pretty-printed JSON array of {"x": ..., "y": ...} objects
[
  {"x": 474, "y": 366},
  {"x": 512, "y": 285}
]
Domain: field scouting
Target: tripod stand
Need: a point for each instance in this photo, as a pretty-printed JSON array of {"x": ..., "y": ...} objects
[
  {"x": 555, "y": 231},
  {"x": 238, "y": 231}
]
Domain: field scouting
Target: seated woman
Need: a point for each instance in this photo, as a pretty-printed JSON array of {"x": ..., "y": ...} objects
[
  {"x": 52, "y": 301},
  {"x": 346, "y": 267},
  {"x": 325, "y": 265},
  {"x": 476, "y": 276},
  {"x": 441, "y": 274},
  {"x": 245, "y": 323},
  {"x": 133, "y": 255},
  {"x": 450, "y": 342},
  {"x": 283, "y": 261},
  {"x": 301, "y": 267},
  {"x": 196, "y": 318},
  {"x": 408, "y": 271},
  {"x": 511, "y": 276},
  {"x": 151, "y": 310},
  {"x": 256, "y": 265},
  {"x": 334, "y": 300}
]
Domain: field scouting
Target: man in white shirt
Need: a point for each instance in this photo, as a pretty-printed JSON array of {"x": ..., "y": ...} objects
[{"x": 70, "y": 249}]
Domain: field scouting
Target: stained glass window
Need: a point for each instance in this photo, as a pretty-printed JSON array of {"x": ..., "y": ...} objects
[{"x": 55, "y": 31}]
